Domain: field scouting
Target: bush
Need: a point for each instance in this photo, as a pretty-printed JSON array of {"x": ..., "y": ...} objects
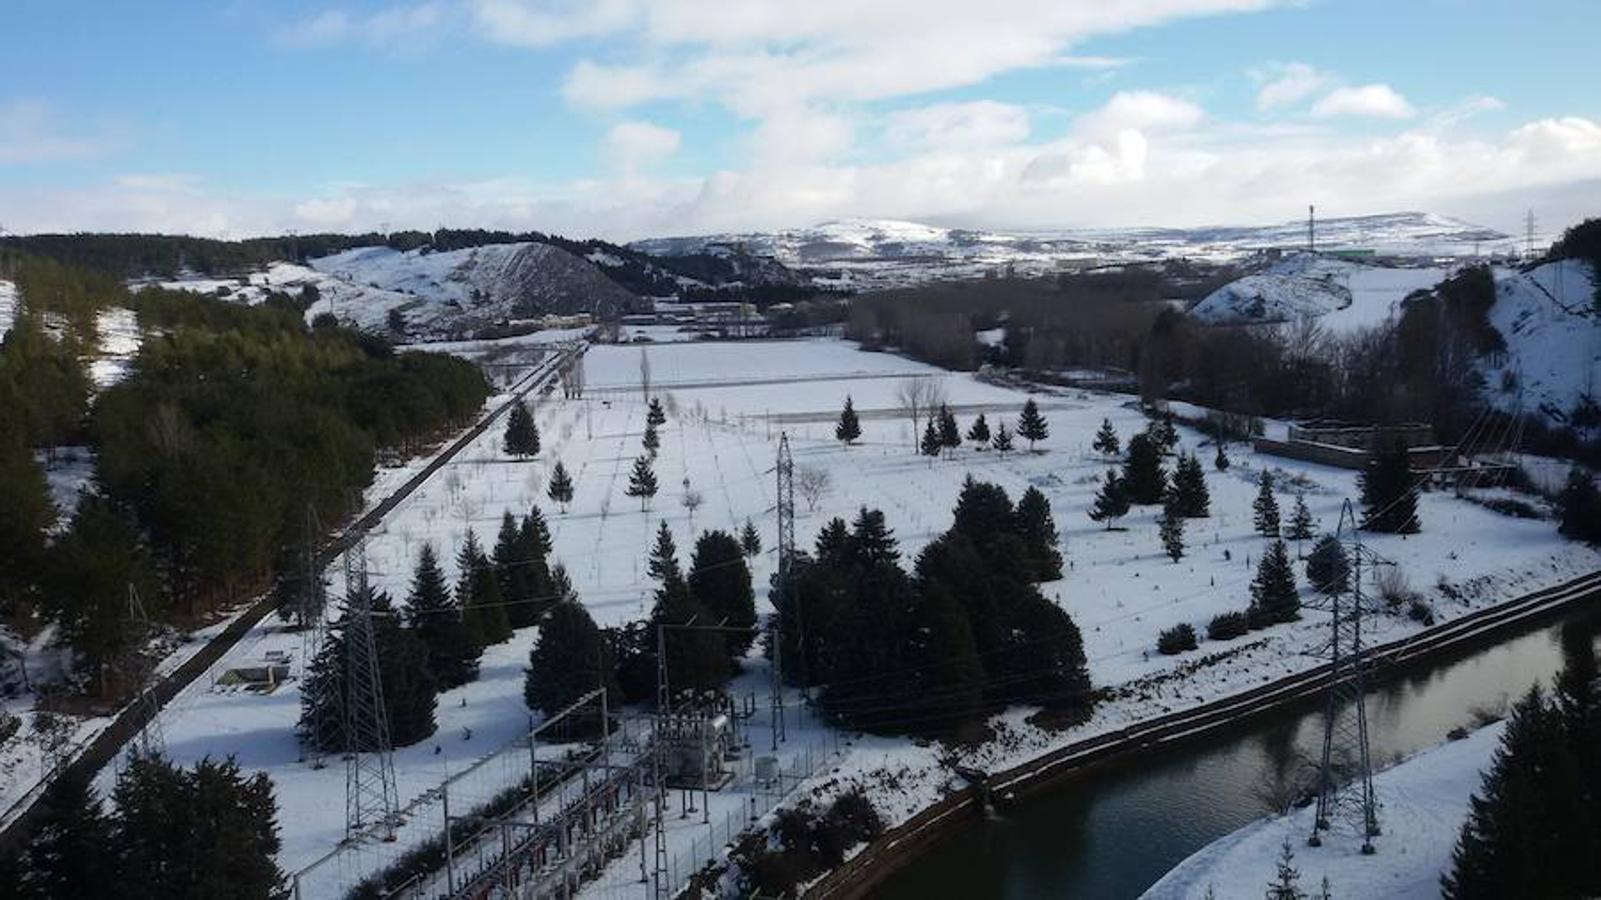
[
  {"x": 1420, "y": 612},
  {"x": 1177, "y": 639},
  {"x": 1227, "y": 626}
]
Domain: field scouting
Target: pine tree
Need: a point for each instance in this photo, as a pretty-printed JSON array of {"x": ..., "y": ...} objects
[
  {"x": 931, "y": 445},
  {"x": 1286, "y": 884},
  {"x": 849, "y": 428},
  {"x": 1301, "y": 525},
  {"x": 663, "y": 564},
  {"x": 90, "y": 569},
  {"x": 1144, "y": 479},
  {"x": 872, "y": 542},
  {"x": 1189, "y": 488},
  {"x": 1389, "y": 496},
  {"x": 26, "y": 511},
  {"x": 1579, "y": 506},
  {"x": 1002, "y": 439},
  {"x": 1328, "y": 569},
  {"x": 570, "y": 657},
  {"x": 1221, "y": 461},
  {"x": 1106, "y": 442},
  {"x": 560, "y": 489},
  {"x": 1265, "y": 508},
  {"x": 979, "y": 434},
  {"x": 1163, "y": 434},
  {"x": 483, "y": 611},
  {"x": 1037, "y": 528},
  {"x": 750, "y": 540},
  {"x": 652, "y": 441},
  {"x": 1111, "y": 501},
  {"x": 950, "y": 436},
  {"x": 1031, "y": 425},
  {"x": 410, "y": 692},
  {"x": 720, "y": 581},
  {"x": 513, "y": 573},
  {"x": 1171, "y": 526},
  {"x": 522, "y": 435},
  {"x": 642, "y": 482},
  {"x": 1273, "y": 593},
  {"x": 70, "y": 851},
  {"x": 655, "y": 415},
  {"x": 436, "y": 620},
  {"x": 697, "y": 658}
]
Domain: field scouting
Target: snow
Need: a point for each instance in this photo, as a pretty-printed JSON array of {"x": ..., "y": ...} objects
[
  {"x": 8, "y": 307},
  {"x": 67, "y": 470},
  {"x": 1341, "y": 294},
  {"x": 1553, "y": 337},
  {"x": 117, "y": 342},
  {"x": 350, "y": 300},
  {"x": 727, "y": 403},
  {"x": 1425, "y": 803}
]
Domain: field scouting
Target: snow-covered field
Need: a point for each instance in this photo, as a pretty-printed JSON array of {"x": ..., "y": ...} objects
[
  {"x": 1426, "y": 802},
  {"x": 727, "y": 403}
]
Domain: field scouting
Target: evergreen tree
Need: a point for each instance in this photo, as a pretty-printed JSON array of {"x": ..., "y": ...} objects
[
  {"x": 1106, "y": 442},
  {"x": 849, "y": 428},
  {"x": 950, "y": 436},
  {"x": 663, "y": 564},
  {"x": 652, "y": 441},
  {"x": 514, "y": 573},
  {"x": 69, "y": 853},
  {"x": 435, "y": 618},
  {"x": 833, "y": 542},
  {"x": 979, "y": 434},
  {"x": 1111, "y": 501},
  {"x": 697, "y": 658},
  {"x": 750, "y": 540},
  {"x": 1301, "y": 525},
  {"x": 720, "y": 581},
  {"x": 1189, "y": 488},
  {"x": 410, "y": 692},
  {"x": 91, "y": 569},
  {"x": 1265, "y": 508},
  {"x": 1144, "y": 479},
  {"x": 1286, "y": 884},
  {"x": 483, "y": 610},
  {"x": 642, "y": 482},
  {"x": 1031, "y": 425},
  {"x": 872, "y": 542},
  {"x": 1530, "y": 829},
  {"x": 1163, "y": 434},
  {"x": 1328, "y": 569},
  {"x": 950, "y": 691},
  {"x": 1037, "y": 528},
  {"x": 1171, "y": 526},
  {"x": 533, "y": 538},
  {"x": 26, "y": 512},
  {"x": 1002, "y": 439},
  {"x": 1273, "y": 593},
  {"x": 560, "y": 489},
  {"x": 930, "y": 445},
  {"x": 655, "y": 416},
  {"x": 1579, "y": 506},
  {"x": 570, "y": 657},
  {"x": 522, "y": 435},
  {"x": 1389, "y": 498},
  {"x": 1221, "y": 461}
]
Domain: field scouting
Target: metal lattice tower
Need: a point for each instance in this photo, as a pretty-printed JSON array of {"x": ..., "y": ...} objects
[
  {"x": 369, "y": 766},
  {"x": 313, "y": 599},
  {"x": 150, "y": 741},
  {"x": 786, "y": 563},
  {"x": 1345, "y": 771}
]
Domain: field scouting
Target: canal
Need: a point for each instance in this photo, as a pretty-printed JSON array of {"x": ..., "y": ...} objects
[{"x": 1114, "y": 831}]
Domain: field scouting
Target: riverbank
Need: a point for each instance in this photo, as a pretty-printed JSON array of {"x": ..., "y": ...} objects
[{"x": 1423, "y": 802}]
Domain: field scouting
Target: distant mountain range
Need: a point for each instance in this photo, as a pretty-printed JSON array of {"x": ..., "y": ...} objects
[{"x": 869, "y": 253}]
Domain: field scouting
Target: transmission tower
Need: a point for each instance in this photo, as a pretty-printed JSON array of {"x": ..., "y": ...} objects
[
  {"x": 1345, "y": 771},
  {"x": 786, "y": 562},
  {"x": 150, "y": 742},
  {"x": 369, "y": 766},
  {"x": 313, "y": 618}
]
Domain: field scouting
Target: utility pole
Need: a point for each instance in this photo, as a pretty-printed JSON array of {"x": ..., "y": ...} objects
[
  {"x": 1311, "y": 229},
  {"x": 369, "y": 765},
  {"x": 1345, "y": 724},
  {"x": 150, "y": 742}
]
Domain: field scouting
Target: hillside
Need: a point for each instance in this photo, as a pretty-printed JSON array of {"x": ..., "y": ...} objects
[
  {"x": 8, "y": 306},
  {"x": 1342, "y": 294},
  {"x": 866, "y": 253},
  {"x": 1553, "y": 359}
]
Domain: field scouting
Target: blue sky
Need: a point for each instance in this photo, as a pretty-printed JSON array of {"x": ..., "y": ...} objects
[{"x": 633, "y": 117}]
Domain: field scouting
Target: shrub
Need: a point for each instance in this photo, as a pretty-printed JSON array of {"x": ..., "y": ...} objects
[
  {"x": 1420, "y": 612},
  {"x": 1177, "y": 639},
  {"x": 1228, "y": 626}
]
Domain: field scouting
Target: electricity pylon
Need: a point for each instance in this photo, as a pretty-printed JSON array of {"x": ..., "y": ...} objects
[{"x": 369, "y": 765}]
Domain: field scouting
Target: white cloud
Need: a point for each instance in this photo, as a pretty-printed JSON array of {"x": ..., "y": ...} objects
[
  {"x": 544, "y": 24},
  {"x": 1373, "y": 100},
  {"x": 637, "y": 144},
  {"x": 30, "y": 133},
  {"x": 1287, "y": 84},
  {"x": 957, "y": 126},
  {"x": 1140, "y": 111},
  {"x": 402, "y": 27},
  {"x": 801, "y": 135}
]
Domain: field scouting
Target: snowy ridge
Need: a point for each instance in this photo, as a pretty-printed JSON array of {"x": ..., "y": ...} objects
[
  {"x": 1343, "y": 294},
  {"x": 1553, "y": 361}
]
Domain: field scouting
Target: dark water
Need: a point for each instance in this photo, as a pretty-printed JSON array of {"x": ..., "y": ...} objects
[{"x": 1115, "y": 832}]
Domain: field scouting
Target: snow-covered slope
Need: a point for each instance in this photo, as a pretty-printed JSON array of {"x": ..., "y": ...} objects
[
  {"x": 1553, "y": 338},
  {"x": 8, "y": 306},
  {"x": 1343, "y": 294},
  {"x": 884, "y": 252}
]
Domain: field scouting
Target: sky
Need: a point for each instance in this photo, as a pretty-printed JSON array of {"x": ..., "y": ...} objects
[{"x": 631, "y": 118}]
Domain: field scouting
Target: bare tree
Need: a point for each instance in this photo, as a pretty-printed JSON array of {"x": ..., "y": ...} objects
[
  {"x": 644, "y": 372},
  {"x": 812, "y": 483},
  {"x": 919, "y": 396},
  {"x": 692, "y": 500}
]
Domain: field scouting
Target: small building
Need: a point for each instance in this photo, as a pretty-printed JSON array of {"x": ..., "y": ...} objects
[{"x": 262, "y": 679}]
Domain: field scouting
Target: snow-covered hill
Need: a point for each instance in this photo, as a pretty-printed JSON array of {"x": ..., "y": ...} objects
[
  {"x": 1553, "y": 334},
  {"x": 1341, "y": 294},
  {"x": 884, "y": 252},
  {"x": 8, "y": 306}
]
